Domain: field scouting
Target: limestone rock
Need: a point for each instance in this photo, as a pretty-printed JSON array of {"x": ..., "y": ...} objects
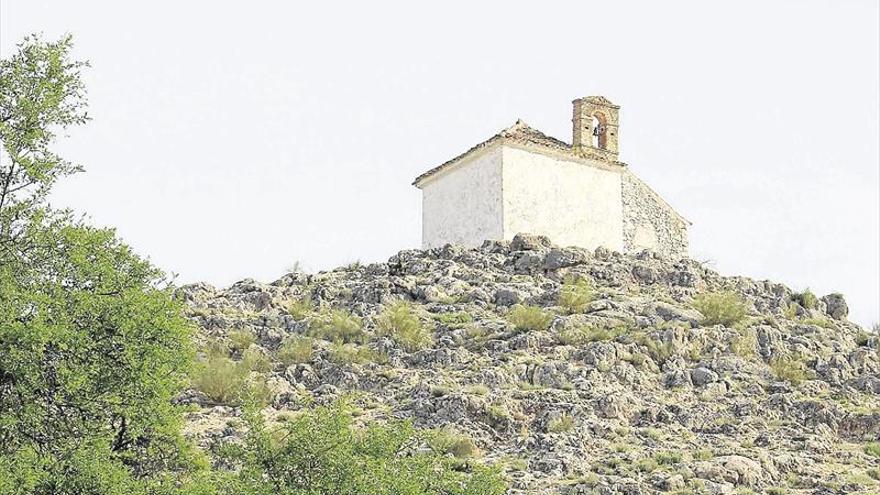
[{"x": 630, "y": 396}]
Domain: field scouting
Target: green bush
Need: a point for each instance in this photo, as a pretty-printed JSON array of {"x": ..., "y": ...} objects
[
  {"x": 400, "y": 322},
  {"x": 806, "y": 299},
  {"x": 229, "y": 382},
  {"x": 322, "y": 452},
  {"x": 873, "y": 449},
  {"x": 299, "y": 309},
  {"x": 789, "y": 368},
  {"x": 342, "y": 353},
  {"x": 339, "y": 325},
  {"x": 668, "y": 457},
  {"x": 529, "y": 318},
  {"x": 239, "y": 340},
  {"x": 745, "y": 344},
  {"x": 658, "y": 350},
  {"x": 583, "y": 335},
  {"x": 256, "y": 360},
  {"x": 449, "y": 441},
  {"x": 575, "y": 294},
  {"x": 221, "y": 379},
  {"x": 454, "y": 320},
  {"x": 721, "y": 308},
  {"x": 295, "y": 350},
  {"x": 561, "y": 424},
  {"x": 647, "y": 465}
]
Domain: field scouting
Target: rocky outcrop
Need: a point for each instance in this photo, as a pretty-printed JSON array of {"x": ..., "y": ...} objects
[{"x": 632, "y": 394}]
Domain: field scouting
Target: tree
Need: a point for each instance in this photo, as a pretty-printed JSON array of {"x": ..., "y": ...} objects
[
  {"x": 93, "y": 349},
  {"x": 92, "y": 345}
]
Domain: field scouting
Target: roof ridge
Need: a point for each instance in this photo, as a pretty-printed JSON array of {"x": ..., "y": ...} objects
[{"x": 519, "y": 132}]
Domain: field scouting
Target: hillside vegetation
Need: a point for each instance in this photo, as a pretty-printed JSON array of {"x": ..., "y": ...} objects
[{"x": 571, "y": 371}]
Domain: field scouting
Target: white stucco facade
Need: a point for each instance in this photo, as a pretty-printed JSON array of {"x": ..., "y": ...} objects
[
  {"x": 464, "y": 204},
  {"x": 523, "y": 181},
  {"x": 504, "y": 190},
  {"x": 573, "y": 202}
]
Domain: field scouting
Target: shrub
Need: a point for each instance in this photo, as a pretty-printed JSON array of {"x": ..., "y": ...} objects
[
  {"x": 789, "y": 368},
  {"x": 745, "y": 344},
  {"x": 873, "y": 449},
  {"x": 529, "y": 318},
  {"x": 321, "y": 451},
  {"x": 575, "y": 294},
  {"x": 703, "y": 455},
  {"x": 339, "y": 325},
  {"x": 448, "y": 441},
  {"x": 454, "y": 320},
  {"x": 668, "y": 457},
  {"x": 400, "y": 322},
  {"x": 478, "y": 389},
  {"x": 806, "y": 299},
  {"x": 221, "y": 379},
  {"x": 239, "y": 340},
  {"x": 720, "y": 308},
  {"x": 819, "y": 322},
  {"x": 295, "y": 350},
  {"x": 658, "y": 350},
  {"x": 341, "y": 353},
  {"x": 647, "y": 465},
  {"x": 561, "y": 424},
  {"x": 301, "y": 308},
  {"x": 584, "y": 335},
  {"x": 255, "y": 360}
]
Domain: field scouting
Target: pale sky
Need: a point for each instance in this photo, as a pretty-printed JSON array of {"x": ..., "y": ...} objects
[{"x": 232, "y": 139}]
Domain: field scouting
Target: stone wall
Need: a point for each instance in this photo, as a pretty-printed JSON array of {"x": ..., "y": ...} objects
[{"x": 650, "y": 223}]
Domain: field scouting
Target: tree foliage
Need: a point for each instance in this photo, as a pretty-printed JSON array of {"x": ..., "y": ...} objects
[
  {"x": 323, "y": 452},
  {"x": 92, "y": 346}
]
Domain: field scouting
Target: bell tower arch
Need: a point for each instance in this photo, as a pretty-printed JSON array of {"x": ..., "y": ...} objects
[{"x": 595, "y": 128}]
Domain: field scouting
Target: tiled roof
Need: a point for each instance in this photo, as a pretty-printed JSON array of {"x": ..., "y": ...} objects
[{"x": 519, "y": 132}]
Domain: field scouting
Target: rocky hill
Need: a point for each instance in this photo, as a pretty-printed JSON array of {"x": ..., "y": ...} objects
[{"x": 576, "y": 372}]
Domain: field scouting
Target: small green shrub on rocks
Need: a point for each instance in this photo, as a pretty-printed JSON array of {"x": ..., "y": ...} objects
[
  {"x": 239, "y": 340},
  {"x": 454, "y": 320},
  {"x": 575, "y": 294},
  {"x": 400, "y": 322},
  {"x": 806, "y": 299},
  {"x": 295, "y": 350},
  {"x": 720, "y": 308},
  {"x": 585, "y": 335},
  {"x": 658, "y": 350},
  {"x": 789, "y": 368},
  {"x": 342, "y": 353},
  {"x": 745, "y": 344},
  {"x": 229, "y": 382},
  {"x": 873, "y": 449},
  {"x": 340, "y": 325},
  {"x": 529, "y": 318},
  {"x": 562, "y": 424},
  {"x": 301, "y": 308},
  {"x": 449, "y": 441},
  {"x": 255, "y": 360}
]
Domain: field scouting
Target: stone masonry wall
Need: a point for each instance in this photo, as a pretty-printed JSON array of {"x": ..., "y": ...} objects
[{"x": 648, "y": 222}]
